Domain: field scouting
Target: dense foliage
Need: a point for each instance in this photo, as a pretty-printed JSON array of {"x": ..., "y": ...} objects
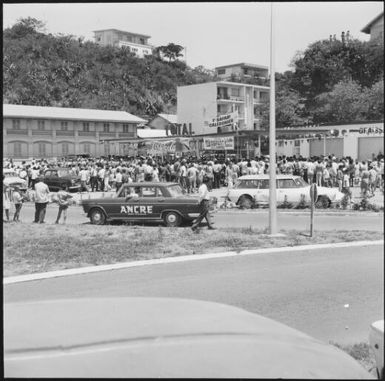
[
  {"x": 47, "y": 70},
  {"x": 331, "y": 81}
]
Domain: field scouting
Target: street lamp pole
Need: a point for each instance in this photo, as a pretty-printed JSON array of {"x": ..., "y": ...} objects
[{"x": 272, "y": 164}]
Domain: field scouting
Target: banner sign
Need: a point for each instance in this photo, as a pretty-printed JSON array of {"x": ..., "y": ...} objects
[
  {"x": 167, "y": 146},
  {"x": 219, "y": 143},
  {"x": 224, "y": 120}
]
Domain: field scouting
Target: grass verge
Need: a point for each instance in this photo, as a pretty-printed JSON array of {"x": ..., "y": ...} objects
[
  {"x": 362, "y": 352},
  {"x": 38, "y": 248}
]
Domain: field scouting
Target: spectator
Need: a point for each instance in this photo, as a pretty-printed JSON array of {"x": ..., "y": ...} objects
[
  {"x": 17, "y": 199},
  {"x": 6, "y": 200},
  {"x": 63, "y": 198},
  {"x": 41, "y": 200}
]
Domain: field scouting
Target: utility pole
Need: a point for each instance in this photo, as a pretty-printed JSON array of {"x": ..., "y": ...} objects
[{"x": 272, "y": 164}]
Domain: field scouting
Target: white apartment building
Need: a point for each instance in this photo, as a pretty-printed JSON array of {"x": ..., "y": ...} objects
[
  {"x": 242, "y": 71},
  {"x": 203, "y": 104},
  {"x": 137, "y": 43}
]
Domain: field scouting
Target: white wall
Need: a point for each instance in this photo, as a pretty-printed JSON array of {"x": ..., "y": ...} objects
[{"x": 197, "y": 105}]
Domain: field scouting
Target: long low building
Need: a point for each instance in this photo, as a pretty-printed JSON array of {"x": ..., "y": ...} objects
[{"x": 35, "y": 131}]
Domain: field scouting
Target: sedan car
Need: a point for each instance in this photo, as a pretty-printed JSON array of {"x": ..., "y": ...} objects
[
  {"x": 12, "y": 179},
  {"x": 146, "y": 337},
  {"x": 145, "y": 201},
  {"x": 253, "y": 190},
  {"x": 61, "y": 178}
]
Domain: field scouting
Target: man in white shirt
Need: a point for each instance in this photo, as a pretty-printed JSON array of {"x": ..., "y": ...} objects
[
  {"x": 204, "y": 198},
  {"x": 41, "y": 200}
]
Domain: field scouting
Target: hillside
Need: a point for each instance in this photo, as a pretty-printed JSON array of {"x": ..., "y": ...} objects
[{"x": 46, "y": 70}]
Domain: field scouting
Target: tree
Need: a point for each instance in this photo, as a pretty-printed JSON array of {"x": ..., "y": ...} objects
[
  {"x": 25, "y": 27},
  {"x": 170, "y": 51},
  {"x": 347, "y": 102},
  {"x": 326, "y": 63}
]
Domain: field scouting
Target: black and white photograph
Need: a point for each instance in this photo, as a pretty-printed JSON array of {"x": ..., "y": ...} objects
[{"x": 193, "y": 190}]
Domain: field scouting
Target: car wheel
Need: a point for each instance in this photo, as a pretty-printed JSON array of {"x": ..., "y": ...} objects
[
  {"x": 245, "y": 202},
  {"x": 322, "y": 202},
  {"x": 172, "y": 219},
  {"x": 97, "y": 217}
]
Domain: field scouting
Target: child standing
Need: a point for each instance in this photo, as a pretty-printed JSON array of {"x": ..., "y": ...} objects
[{"x": 63, "y": 201}]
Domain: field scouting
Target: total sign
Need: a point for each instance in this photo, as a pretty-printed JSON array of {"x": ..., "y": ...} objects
[{"x": 136, "y": 209}]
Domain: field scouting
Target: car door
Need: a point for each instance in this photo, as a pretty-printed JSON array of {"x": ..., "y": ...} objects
[
  {"x": 52, "y": 180},
  {"x": 151, "y": 203},
  {"x": 288, "y": 190}
]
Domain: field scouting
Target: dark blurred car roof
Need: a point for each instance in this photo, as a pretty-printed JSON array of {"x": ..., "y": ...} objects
[{"x": 160, "y": 337}]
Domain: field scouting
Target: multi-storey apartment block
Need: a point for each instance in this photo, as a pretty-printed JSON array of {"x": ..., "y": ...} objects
[
  {"x": 204, "y": 104},
  {"x": 242, "y": 72},
  {"x": 137, "y": 43}
]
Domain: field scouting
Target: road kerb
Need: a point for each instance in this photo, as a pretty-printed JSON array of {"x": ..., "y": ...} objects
[{"x": 185, "y": 258}]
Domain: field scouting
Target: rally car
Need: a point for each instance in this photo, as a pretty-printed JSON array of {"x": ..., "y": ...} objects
[
  {"x": 145, "y": 201},
  {"x": 252, "y": 190}
]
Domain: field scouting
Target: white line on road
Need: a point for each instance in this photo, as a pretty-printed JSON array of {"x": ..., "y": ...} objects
[{"x": 185, "y": 258}]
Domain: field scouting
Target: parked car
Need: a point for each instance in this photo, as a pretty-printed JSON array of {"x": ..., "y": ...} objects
[
  {"x": 376, "y": 341},
  {"x": 61, "y": 178},
  {"x": 12, "y": 179},
  {"x": 146, "y": 201},
  {"x": 253, "y": 190},
  {"x": 146, "y": 337}
]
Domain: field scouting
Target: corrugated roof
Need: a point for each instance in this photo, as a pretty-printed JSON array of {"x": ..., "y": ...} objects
[
  {"x": 147, "y": 133},
  {"x": 172, "y": 118},
  {"x": 21, "y": 111},
  {"x": 367, "y": 28}
]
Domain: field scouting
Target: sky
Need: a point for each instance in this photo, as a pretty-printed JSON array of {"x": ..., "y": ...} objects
[{"x": 214, "y": 34}]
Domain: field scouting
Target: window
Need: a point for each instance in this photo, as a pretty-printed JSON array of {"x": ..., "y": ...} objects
[
  {"x": 106, "y": 127},
  {"x": 17, "y": 149},
  {"x": 64, "y": 126},
  {"x": 127, "y": 128},
  {"x": 41, "y": 149},
  {"x": 221, "y": 71},
  {"x": 40, "y": 125},
  {"x": 235, "y": 91},
  {"x": 286, "y": 183},
  {"x": 150, "y": 192},
  {"x": 64, "y": 149},
  {"x": 16, "y": 124},
  {"x": 297, "y": 143},
  {"x": 86, "y": 127},
  {"x": 87, "y": 148}
]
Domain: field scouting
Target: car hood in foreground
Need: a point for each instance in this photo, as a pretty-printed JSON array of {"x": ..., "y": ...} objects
[{"x": 160, "y": 337}]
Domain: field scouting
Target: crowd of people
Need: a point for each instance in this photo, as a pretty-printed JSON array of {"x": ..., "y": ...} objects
[{"x": 108, "y": 174}]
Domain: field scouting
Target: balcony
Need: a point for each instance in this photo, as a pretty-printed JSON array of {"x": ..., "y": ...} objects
[
  {"x": 87, "y": 133},
  {"x": 107, "y": 134},
  {"x": 41, "y": 132},
  {"x": 228, "y": 99},
  {"x": 65, "y": 133},
  {"x": 127, "y": 135},
  {"x": 17, "y": 132}
]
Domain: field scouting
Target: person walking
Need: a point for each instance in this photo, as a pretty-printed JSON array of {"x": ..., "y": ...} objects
[
  {"x": 41, "y": 200},
  {"x": 204, "y": 198},
  {"x": 63, "y": 201},
  {"x": 94, "y": 178}
]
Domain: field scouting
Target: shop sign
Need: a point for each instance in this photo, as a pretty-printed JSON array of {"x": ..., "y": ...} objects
[
  {"x": 178, "y": 129},
  {"x": 370, "y": 130},
  {"x": 168, "y": 146},
  {"x": 219, "y": 143},
  {"x": 224, "y": 120}
]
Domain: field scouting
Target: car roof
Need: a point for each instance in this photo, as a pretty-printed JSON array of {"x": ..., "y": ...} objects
[
  {"x": 264, "y": 177},
  {"x": 116, "y": 337}
]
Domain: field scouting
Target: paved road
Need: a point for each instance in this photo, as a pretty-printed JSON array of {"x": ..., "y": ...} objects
[
  {"x": 259, "y": 218},
  {"x": 305, "y": 290}
]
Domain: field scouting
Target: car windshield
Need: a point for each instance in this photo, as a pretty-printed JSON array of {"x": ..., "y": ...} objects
[
  {"x": 63, "y": 172},
  {"x": 175, "y": 190},
  {"x": 300, "y": 182}
]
